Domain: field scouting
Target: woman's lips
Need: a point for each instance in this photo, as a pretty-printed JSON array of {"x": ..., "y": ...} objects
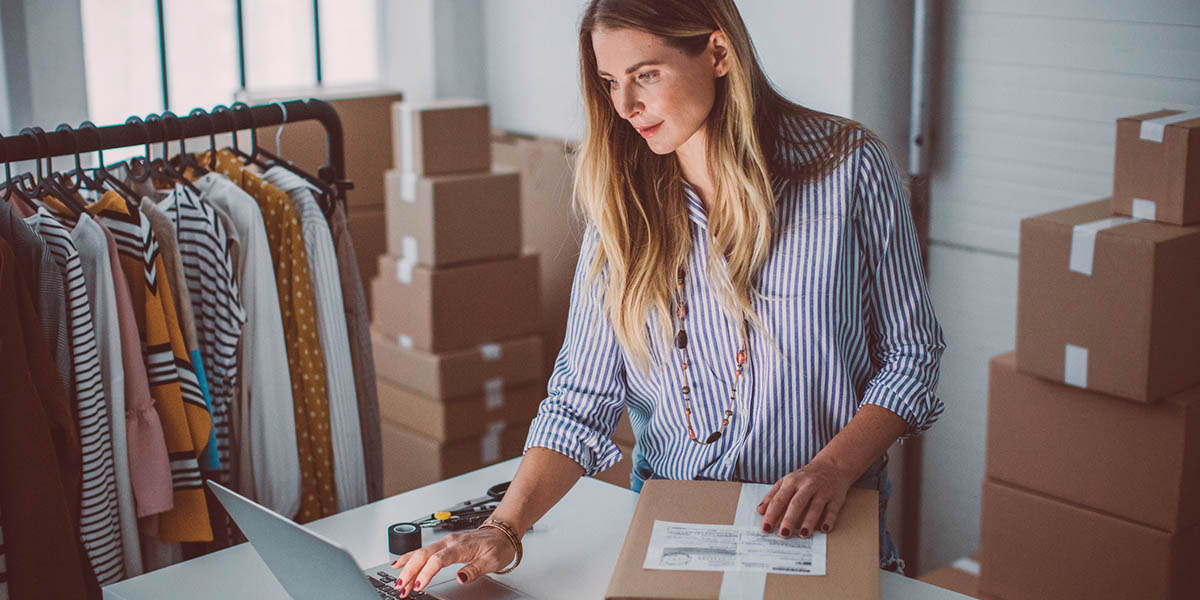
[{"x": 649, "y": 131}]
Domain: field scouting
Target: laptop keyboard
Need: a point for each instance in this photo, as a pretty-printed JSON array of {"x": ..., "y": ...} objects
[{"x": 385, "y": 586}]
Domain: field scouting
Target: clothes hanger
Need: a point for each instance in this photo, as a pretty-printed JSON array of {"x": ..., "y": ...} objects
[
  {"x": 163, "y": 169},
  {"x": 79, "y": 173},
  {"x": 101, "y": 174},
  {"x": 138, "y": 167},
  {"x": 325, "y": 191},
  {"x": 48, "y": 184},
  {"x": 252, "y": 158},
  {"x": 13, "y": 187},
  {"x": 183, "y": 160},
  {"x": 212, "y": 136}
]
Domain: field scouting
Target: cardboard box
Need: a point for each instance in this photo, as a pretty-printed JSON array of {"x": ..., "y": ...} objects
[
  {"x": 1156, "y": 174},
  {"x": 1109, "y": 304},
  {"x": 548, "y": 224},
  {"x": 1140, "y": 463},
  {"x": 455, "y": 307},
  {"x": 367, "y": 231},
  {"x": 366, "y": 115},
  {"x": 451, "y": 420},
  {"x": 618, "y": 474},
  {"x": 624, "y": 432},
  {"x": 961, "y": 576},
  {"x": 411, "y": 460},
  {"x": 481, "y": 369},
  {"x": 443, "y": 136},
  {"x": 448, "y": 219},
  {"x": 1035, "y": 546},
  {"x": 852, "y": 559}
]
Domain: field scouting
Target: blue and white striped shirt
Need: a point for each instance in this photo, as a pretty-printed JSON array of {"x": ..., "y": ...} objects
[{"x": 847, "y": 303}]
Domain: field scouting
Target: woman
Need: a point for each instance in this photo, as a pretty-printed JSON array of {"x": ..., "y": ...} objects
[{"x": 749, "y": 286}]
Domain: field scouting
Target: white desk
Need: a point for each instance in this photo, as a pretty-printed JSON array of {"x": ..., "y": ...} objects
[{"x": 569, "y": 554}]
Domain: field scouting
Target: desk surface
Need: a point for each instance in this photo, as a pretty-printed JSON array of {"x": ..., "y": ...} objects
[{"x": 585, "y": 530}]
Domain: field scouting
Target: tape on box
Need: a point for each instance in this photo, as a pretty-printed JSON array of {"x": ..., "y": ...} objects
[
  {"x": 746, "y": 585},
  {"x": 408, "y": 259},
  {"x": 1152, "y": 129},
  {"x": 490, "y": 351},
  {"x": 489, "y": 448},
  {"x": 493, "y": 393},
  {"x": 1143, "y": 209},
  {"x": 1075, "y": 366},
  {"x": 1083, "y": 242}
]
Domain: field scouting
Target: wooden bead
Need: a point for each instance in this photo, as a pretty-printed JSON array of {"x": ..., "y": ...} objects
[
  {"x": 729, "y": 413},
  {"x": 713, "y": 437},
  {"x": 692, "y": 433},
  {"x": 683, "y": 365},
  {"x": 682, "y": 312},
  {"x": 686, "y": 390},
  {"x": 741, "y": 357},
  {"x": 687, "y": 411},
  {"x": 681, "y": 339},
  {"x": 724, "y": 421}
]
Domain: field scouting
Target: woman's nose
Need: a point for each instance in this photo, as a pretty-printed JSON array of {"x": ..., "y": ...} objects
[{"x": 628, "y": 104}]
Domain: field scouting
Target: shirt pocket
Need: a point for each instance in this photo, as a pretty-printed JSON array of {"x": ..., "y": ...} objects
[{"x": 804, "y": 260}]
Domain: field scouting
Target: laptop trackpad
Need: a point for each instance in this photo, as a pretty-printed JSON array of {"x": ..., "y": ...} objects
[{"x": 485, "y": 588}]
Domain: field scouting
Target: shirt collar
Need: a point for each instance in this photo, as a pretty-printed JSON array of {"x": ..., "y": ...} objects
[{"x": 695, "y": 207}]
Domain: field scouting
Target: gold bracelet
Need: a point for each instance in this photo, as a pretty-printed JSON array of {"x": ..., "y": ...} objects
[{"x": 508, "y": 532}]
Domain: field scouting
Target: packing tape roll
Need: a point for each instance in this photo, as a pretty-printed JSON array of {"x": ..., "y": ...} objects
[
  {"x": 489, "y": 447},
  {"x": 493, "y": 393},
  {"x": 490, "y": 351},
  {"x": 1083, "y": 242},
  {"x": 403, "y": 538},
  {"x": 746, "y": 585},
  {"x": 1143, "y": 209},
  {"x": 1075, "y": 369},
  {"x": 969, "y": 565},
  {"x": 1152, "y": 129}
]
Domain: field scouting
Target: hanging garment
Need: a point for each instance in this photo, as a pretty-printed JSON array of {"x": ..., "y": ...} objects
[
  {"x": 46, "y": 288},
  {"x": 92, "y": 244},
  {"x": 149, "y": 464},
  {"x": 348, "y": 469},
  {"x": 306, "y": 360},
  {"x": 358, "y": 325},
  {"x": 263, "y": 421},
  {"x": 38, "y": 447},
  {"x": 208, "y": 271},
  {"x": 99, "y": 517},
  {"x": 185, "y": 417},
  {"x": 164, "y": 231}
]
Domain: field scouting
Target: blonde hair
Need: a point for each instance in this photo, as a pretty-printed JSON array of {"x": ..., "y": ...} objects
[{"x": 635, "y": 198}]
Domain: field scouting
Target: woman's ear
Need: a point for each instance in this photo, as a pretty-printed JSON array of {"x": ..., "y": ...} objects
[{"x": 718, "y": 48}]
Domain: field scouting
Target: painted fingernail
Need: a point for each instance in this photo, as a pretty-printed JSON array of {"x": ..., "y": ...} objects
[
  {"x": 767, "y": 528},
  {"x": 417, "y": 585},
  {"x": 399, "y": 583},
  {"x": 803, "y": 532},
  {"x": 462, "y": 577},
  {"x": 785, "y": 532},
  {"x": 825, "y": 528}
]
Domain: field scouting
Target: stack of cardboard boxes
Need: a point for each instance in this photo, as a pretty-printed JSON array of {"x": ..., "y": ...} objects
[
  {"x": 1093, "y": 446},
  {"x": 455, "y": 305}
]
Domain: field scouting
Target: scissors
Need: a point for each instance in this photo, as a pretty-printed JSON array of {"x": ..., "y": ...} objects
[{"x": 468, "y": 513}]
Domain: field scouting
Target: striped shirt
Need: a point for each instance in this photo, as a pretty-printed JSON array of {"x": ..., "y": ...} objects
[
  {"x": 99, "y": 518},
  {"x": 216, "y": 305},
  {"x": 847, "y": 303}
]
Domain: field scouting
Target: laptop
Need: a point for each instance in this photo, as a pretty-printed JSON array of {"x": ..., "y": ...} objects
[{"x": 312, "y": 567}]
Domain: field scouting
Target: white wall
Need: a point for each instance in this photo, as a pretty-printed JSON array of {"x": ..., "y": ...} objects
[
  {"x": 1030, "y": 93},
  {"x": 43, "y": 62}
]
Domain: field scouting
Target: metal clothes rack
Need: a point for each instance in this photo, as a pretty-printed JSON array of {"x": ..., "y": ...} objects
[{"x": 197, "y": 124}]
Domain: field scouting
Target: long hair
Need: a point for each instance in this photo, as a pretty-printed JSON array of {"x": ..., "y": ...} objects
[{"x": 635, "y": 198}]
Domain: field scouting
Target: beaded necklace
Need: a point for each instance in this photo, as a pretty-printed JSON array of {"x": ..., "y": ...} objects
[{"x": 681, "y": 342}]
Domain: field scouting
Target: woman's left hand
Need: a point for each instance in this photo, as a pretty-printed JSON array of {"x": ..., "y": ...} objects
[{"x": 806, "y": 500}]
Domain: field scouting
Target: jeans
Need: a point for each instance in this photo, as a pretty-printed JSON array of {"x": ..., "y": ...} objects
[{"x": 874, "y": 478}]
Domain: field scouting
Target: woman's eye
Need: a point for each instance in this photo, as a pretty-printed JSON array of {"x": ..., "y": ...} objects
[{"x": 648, "y": 77}]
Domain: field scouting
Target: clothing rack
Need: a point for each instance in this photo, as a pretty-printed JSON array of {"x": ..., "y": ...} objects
[{"x": 199, "y": 123}]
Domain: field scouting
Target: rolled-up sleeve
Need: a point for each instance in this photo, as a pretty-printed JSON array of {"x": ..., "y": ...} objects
[
  {"x": 906, "y": 342},
  {"x": 586, "y": 390}
]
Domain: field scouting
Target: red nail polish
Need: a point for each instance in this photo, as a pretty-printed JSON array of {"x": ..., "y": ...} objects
[
  {"x": 785, "y": 532},
  {"x": 768, "y": 528},
  {"x": 825, "y": 528},
  {"x": 417, "y": 586},
  {"x": 804, "y": 532},
  {"x": 462, "y": 577}
]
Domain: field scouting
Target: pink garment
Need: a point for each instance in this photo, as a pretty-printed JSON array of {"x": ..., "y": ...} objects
[{"x": 149, "y": 467}]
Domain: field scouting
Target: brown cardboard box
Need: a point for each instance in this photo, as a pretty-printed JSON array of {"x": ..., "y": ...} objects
[
  {"x": 852, "y": 559},
  {"x": 549, "y": 226},
  {"x": 449, "y": 420},
  {"x": 1130, "y": 328},
  {"x": 1035, "y": 546},
  {"x": 502, "y": 365},
  {"x": 618, "y": 474},
  {"x": 448, "y": 219},
  {"x": 955, "y": 579},
  {"x": 366, "y": 115},
  {"x": 1140, "y": 463},
  {"x": 1156, "y": 174},
  {"x": 366, "y": 225},
  {"x": 443, "y": 136},
  {"x": 411, "y": 460},
  {"x": 455, "y": 307}
]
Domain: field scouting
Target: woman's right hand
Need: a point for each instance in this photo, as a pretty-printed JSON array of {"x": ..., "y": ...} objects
[{"x": 484, "y": 550}]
